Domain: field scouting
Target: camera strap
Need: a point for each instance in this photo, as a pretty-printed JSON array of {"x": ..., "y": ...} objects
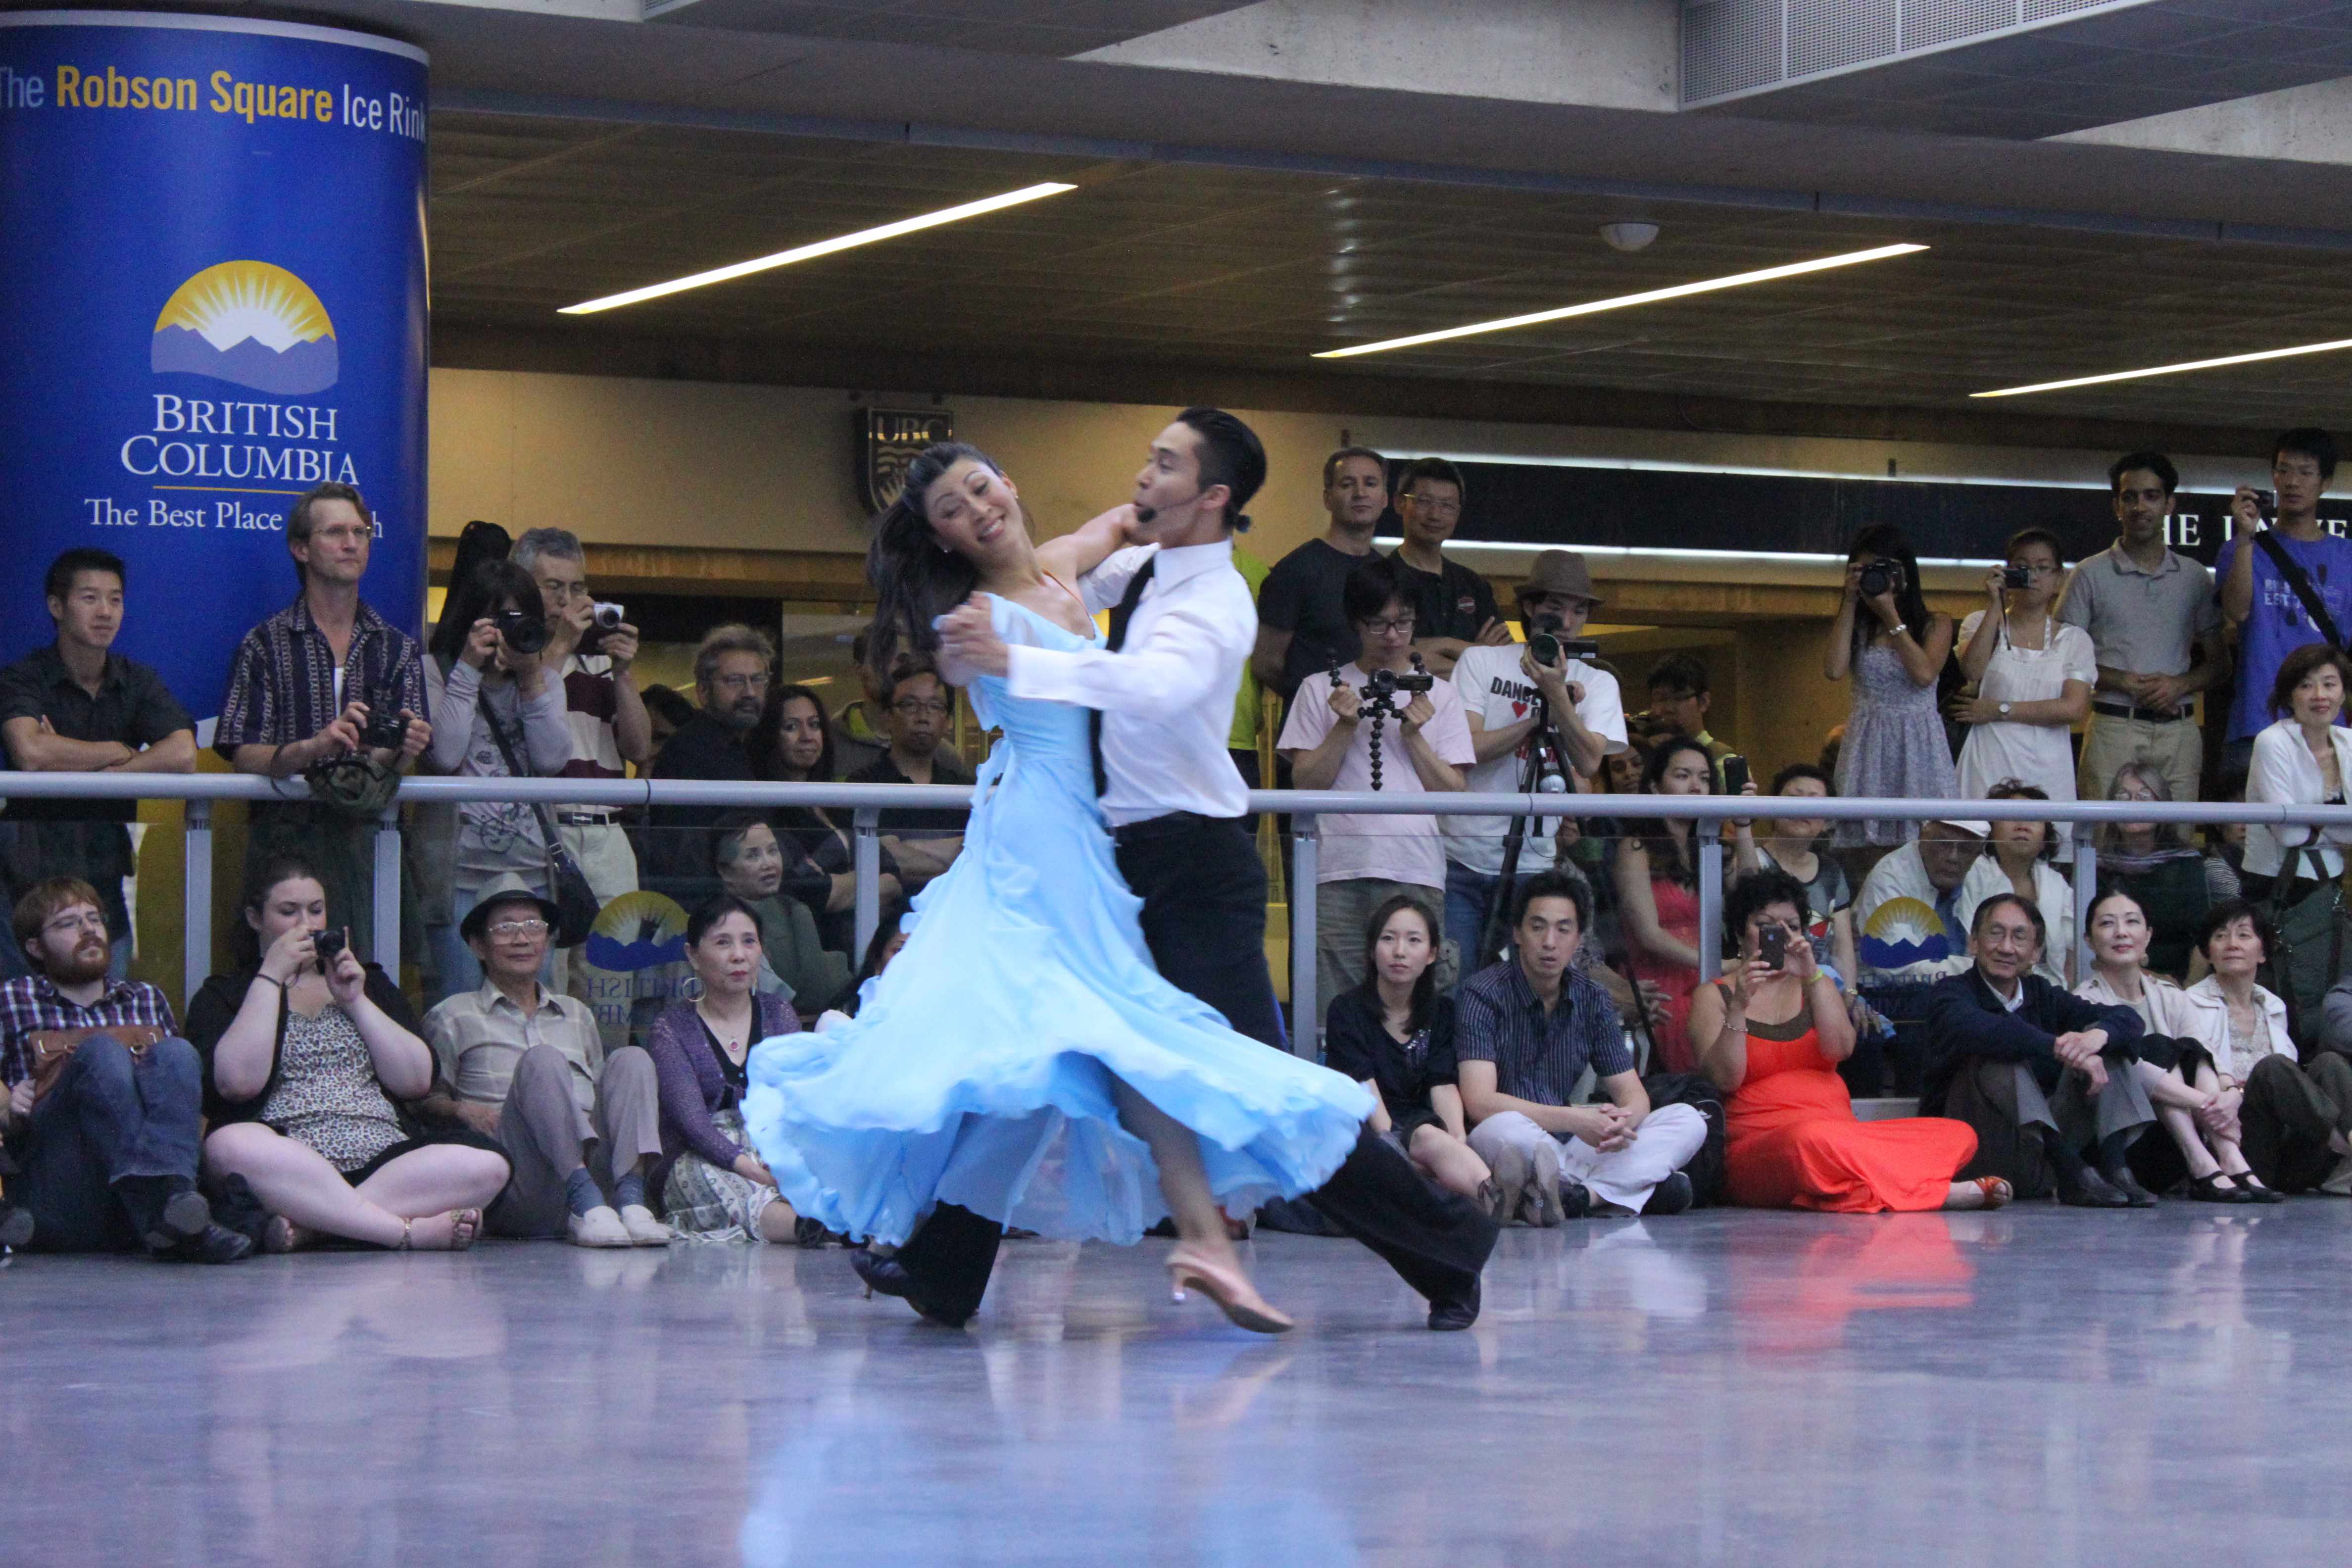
[{"x": 2299, "y": 580}]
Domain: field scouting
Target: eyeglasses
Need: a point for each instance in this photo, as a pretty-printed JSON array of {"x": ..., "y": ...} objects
[
  {"x": 64, "y": 923},
  {"x": 1435, "y": 508},
  {"x": 342, "y": 535},
  {"x": 1389, "y": 628},
  {"x": 739, "y": 683},
  {"x": 506, "y": 930},
  {"x": 915, "y": 708}
]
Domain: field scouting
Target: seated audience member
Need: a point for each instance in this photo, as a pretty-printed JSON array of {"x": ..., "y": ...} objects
[
  {"x": 750, "y": 867},
  {"x": 2017, "y": 859},
  {"x": 2032, "y": 675},
  {"x": 77, "y": 706},
  {"x": 794, "y": 745},
  {"x": 1797, "y": 845},
  {"x": 888, "y": 938},
  {"x": 1894, "y": 745},
  {"x": 301, "y": 688},
  {"x": 2155, "y": 863},
  {"x": 1505, "y": 695},
  {"x": 2225, "y": 846},
  {"x": 106, "y": 1154},
  {"x": 1679, "y": 699},
  {"x": 308, "y": 1056},
  {"x": 1303, "y": 625},
  {"x": 1452, "y": 606},
  {"x": 733, "y": 667},
  {"x": 1394, "y": 1034},
  {"x": 1425, "y": 745},
  {"x": 498, "y": 712},
  {"x": 526, "y": 1068},
  {"x": 916, "y": 706},
  {"x": 2201, "y": 1153},
  {"x": 1524, "y": 1032},
  {"x": 1911, "y": 930},
  {"x": 713, "y": 1187},
  {"x": 2040, "y": 1073},
  {"x": 2303, "y": 759},
  {"x": 1770, "y": 1036},
  {"x": 1656, "y": 880}
]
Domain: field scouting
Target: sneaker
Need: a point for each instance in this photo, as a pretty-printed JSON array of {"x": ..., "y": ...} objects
[
  {"x": 600, "y": 1226},
  {"x": 1671, "y": 1196},
  {"x": 643, "y": 1229}
]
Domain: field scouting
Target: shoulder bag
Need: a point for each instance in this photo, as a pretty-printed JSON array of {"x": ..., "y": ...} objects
[
  {"x": 2309, "y": 957},
  {"x": 2300, "y": 581},
  {"x": 49, "y": 1050},
  {"x": 576, "y": 900}
]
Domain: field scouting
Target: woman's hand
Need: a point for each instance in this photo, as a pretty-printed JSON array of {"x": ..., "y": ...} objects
[
  {"x": 288, "y": 956},
  {"x": 748, "y": 1167},
  {"x": 346, "y": 975},
  {"x": 1884, "y": 608},
  {"x": 1656, "y": 1005},
  {"x": 1966, "y": 710},
  {"x": 1854, "y": 581},
  {"x": 481, "y": 643},
  {"x": 1798, "y": 959},
  {"x": 1747, "y": 979},
  {"x": 1997, "y": 591}
]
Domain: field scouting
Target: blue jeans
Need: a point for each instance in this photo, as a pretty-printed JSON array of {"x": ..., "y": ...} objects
[
  {"x": 108, "y": 1144},
  {"x": 1469, "y": 895}
]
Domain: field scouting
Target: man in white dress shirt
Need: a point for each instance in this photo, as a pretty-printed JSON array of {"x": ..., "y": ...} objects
[{"x": 1181, "y": 626}]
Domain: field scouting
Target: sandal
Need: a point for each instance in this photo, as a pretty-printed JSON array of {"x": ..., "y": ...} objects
[
  {"x": 1997, "y": 1192},
  {"x": 2216, "y": 1188},
  {"x": 2255, "y": 1191}
]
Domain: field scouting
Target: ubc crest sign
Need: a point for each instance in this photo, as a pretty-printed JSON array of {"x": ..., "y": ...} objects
[{"x": 887, "y": 440}]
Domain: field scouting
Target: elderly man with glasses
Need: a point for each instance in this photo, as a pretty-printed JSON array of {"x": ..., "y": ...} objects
[
  {"x": 527, "y": 1067},
  {"x": 916, "y": 709}
]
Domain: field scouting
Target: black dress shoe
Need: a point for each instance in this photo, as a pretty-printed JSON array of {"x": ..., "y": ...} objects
[
  {"x": 184, "y": 1220},
  {"x": 2124, "y": 1182},
  {"x": 889, "y": 1277},
  {"x": 1456, "y": 1312},
  {"x": 2255, "y": 1191},
  {"x": 2090, "y": 1190},
  {"x": 1671, "y": 1196},
  {"x": 15, "y": 1225},
  {"x": 217, "y": 1244}
]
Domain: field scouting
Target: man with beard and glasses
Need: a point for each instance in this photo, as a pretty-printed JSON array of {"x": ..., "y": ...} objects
[
  {"x": 733, "y": 671},
  {"x": 108, "y": 1151}
]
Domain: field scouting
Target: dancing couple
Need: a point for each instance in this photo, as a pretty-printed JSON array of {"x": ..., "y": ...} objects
[{"x": 1074, "y": 1039}]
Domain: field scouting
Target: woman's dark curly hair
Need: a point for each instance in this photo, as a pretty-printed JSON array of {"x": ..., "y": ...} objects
[
  {"x": 1758, "y": 891},
  {"x": 914, "y": 580}
]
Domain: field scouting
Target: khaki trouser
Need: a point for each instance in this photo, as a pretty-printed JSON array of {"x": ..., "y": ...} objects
[
  {"x": 2109, "y": 740},
  {"x": 546, "y": 1135}
]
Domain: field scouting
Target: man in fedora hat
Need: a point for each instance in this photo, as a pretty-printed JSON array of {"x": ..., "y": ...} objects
[
  {"x": 1508, "y": 697},
  {"x": 527, "y": 1066}
]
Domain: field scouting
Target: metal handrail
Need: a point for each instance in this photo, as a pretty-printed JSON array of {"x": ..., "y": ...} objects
[{"x": 866, "y": 801}]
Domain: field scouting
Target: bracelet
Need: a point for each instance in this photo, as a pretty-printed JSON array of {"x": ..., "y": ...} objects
[
  {"x": 1897, "y": 629},
  {"x": 257, "y": 974}
]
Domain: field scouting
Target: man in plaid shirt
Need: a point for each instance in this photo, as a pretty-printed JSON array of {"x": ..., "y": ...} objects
[{"x": 108, "y": 1156}]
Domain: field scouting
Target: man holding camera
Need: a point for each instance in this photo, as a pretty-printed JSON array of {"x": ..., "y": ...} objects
[
  {"x": 1382, "y": 723},
  {"x": 322, "y": 678},
  {"x": 1522, "y": 701}
]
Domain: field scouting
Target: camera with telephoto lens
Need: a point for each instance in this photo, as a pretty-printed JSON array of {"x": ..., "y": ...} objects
[
  {"x": 328, "y": 944},
  {"x": 1550, "y": 649},
  {"x": 385, "y": 731},
  {"x": 1881, "y": 576},
  {"x": 522, "y": 632}
]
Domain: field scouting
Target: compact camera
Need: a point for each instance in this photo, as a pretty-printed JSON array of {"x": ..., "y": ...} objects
[
  {"x": 522, "y": 632},
  {"x": 384, "y": 730},
  {"x": 328, "y": 945},
  {"x": 2016, "y": 577},
  {"x": 605, "y": 617},
  {"x": 1882, "y": 575}
]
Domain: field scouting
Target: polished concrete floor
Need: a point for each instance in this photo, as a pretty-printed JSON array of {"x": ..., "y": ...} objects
[{"x": 2035, "y": 1386}]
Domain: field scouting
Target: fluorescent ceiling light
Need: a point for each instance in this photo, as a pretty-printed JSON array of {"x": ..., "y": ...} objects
[
  {"x": 1626, "y": 301},
  {"x": 822, "y": 247},
  {"x": 2168, "y": 369}
]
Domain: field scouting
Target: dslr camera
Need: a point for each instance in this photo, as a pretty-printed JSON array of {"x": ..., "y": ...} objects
[
  {"x": 1884, "y": 576},
  {"x": 521, "y": 632},
  {"x": 385, "y": 731}
]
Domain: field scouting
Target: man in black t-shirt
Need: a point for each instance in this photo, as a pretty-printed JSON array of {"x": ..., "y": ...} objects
[
  {"x": 1453, "y": 606},
  {"x": 917, "y": 707},
  {"x": 1303, "y": 628}
]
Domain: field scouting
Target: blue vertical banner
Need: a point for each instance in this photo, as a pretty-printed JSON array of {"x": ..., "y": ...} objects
[{"x": 214, "y": 235}]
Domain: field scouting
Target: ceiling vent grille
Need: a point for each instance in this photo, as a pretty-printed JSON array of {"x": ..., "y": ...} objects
[
  {"x": 1831, "y": 35},
  {"x": 1730, "y": 46},
  {"x": 1928, "y": 23},
  {"x": 1733, "y": 48}
]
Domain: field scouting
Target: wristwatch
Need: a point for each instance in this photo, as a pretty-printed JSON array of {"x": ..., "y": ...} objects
[{"x": 2005, "y": 710}]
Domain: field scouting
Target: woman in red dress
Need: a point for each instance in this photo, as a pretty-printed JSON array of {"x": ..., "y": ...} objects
[
  {"x": 1657, "y": 900},
  {"x": 1770, "y": 1037}
]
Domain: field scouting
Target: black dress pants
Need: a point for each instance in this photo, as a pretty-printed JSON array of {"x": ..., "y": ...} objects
[{"x": 1203, "y": 892}]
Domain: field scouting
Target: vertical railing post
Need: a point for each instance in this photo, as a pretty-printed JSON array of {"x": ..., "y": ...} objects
[
  {"x": 868, "y": 830},
  {"x": 1305, "y": 1017},
  {"x": 196, "y": 901},
  {"x": 1709, "y": 833},
  {"x": 2086, "y": 891},
  {"x": 387, "y": 891}
]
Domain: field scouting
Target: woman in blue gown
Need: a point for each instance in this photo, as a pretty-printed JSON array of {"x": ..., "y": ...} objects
[{"x": 1022, "y": 1056}]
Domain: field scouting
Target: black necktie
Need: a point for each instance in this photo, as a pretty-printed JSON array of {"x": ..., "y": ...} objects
[{"x": 1121, "y": 613}]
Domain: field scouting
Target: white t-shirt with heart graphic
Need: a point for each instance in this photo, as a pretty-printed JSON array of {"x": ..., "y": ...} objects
[{"x": 1497, "y": 692}]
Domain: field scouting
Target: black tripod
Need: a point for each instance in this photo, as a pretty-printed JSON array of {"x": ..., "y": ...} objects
[{"x": 1541, "y": 771}]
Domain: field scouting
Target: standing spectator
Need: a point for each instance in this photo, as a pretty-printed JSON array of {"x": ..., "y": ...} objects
[
  {"x": 669, "y": 713},
  {"x": 301, "y": 687},
  {"x": 108, "y": 1153},
  {"x": 527, "y": 1069},
  {"x": 498, "y": 712},
  {"x": 751, "y": 866},
  {"x": 610, "y": 726},
  {"x": 2018, "y": 860},
  {"x": 2040, "y": 1074},
  {"x": 2263, "y": 600},
  {"x": 1894, "y": 745},
  {"x": 1249, "y": 701},
  {"x": 733, "y": 669},
  {"x": 77, "y": 706},
  {"x": 1657, "y": 900},
  {"x": 1506, "y": 694},
  {"x": 2032, "y": 674},
  {"x": 2153, "y": 861},
  {"x": 1452, "y": 606},
  {"x": 1525, "y": 1031},
  {"x": 1794, "y": 845},
  {"x": 2146, "y": 609},
  {"x": 917, "y": 705},
  {"x": 1302, "y": 626},
  {"x": 1679, "y": 699},
  {"x": 1367, "y": 860},
  {"x": 794, "y": 745}
]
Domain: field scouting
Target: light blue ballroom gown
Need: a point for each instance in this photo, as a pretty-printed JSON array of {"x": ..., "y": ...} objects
[{"x": 978, "y": 1071}]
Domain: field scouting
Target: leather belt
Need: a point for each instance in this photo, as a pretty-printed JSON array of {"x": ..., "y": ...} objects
[
  {"x": 2145, "y": 715},
  {"x": 1163, "y": 826}
]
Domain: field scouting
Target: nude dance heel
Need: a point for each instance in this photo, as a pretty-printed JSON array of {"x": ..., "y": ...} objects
[{"x": 1230, "y": 1290}]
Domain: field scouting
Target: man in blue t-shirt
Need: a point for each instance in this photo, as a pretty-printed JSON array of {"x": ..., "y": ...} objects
[{"x": 2270, "y": 620}]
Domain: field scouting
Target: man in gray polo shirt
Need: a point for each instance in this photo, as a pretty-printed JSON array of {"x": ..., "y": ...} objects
[{"x": 2145, "y": 608}]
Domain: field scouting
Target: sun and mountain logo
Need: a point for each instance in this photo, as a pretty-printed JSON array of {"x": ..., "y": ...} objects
[
  {"x": 249, "y": 323},
  {"x": 1903, "y": 932}
]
